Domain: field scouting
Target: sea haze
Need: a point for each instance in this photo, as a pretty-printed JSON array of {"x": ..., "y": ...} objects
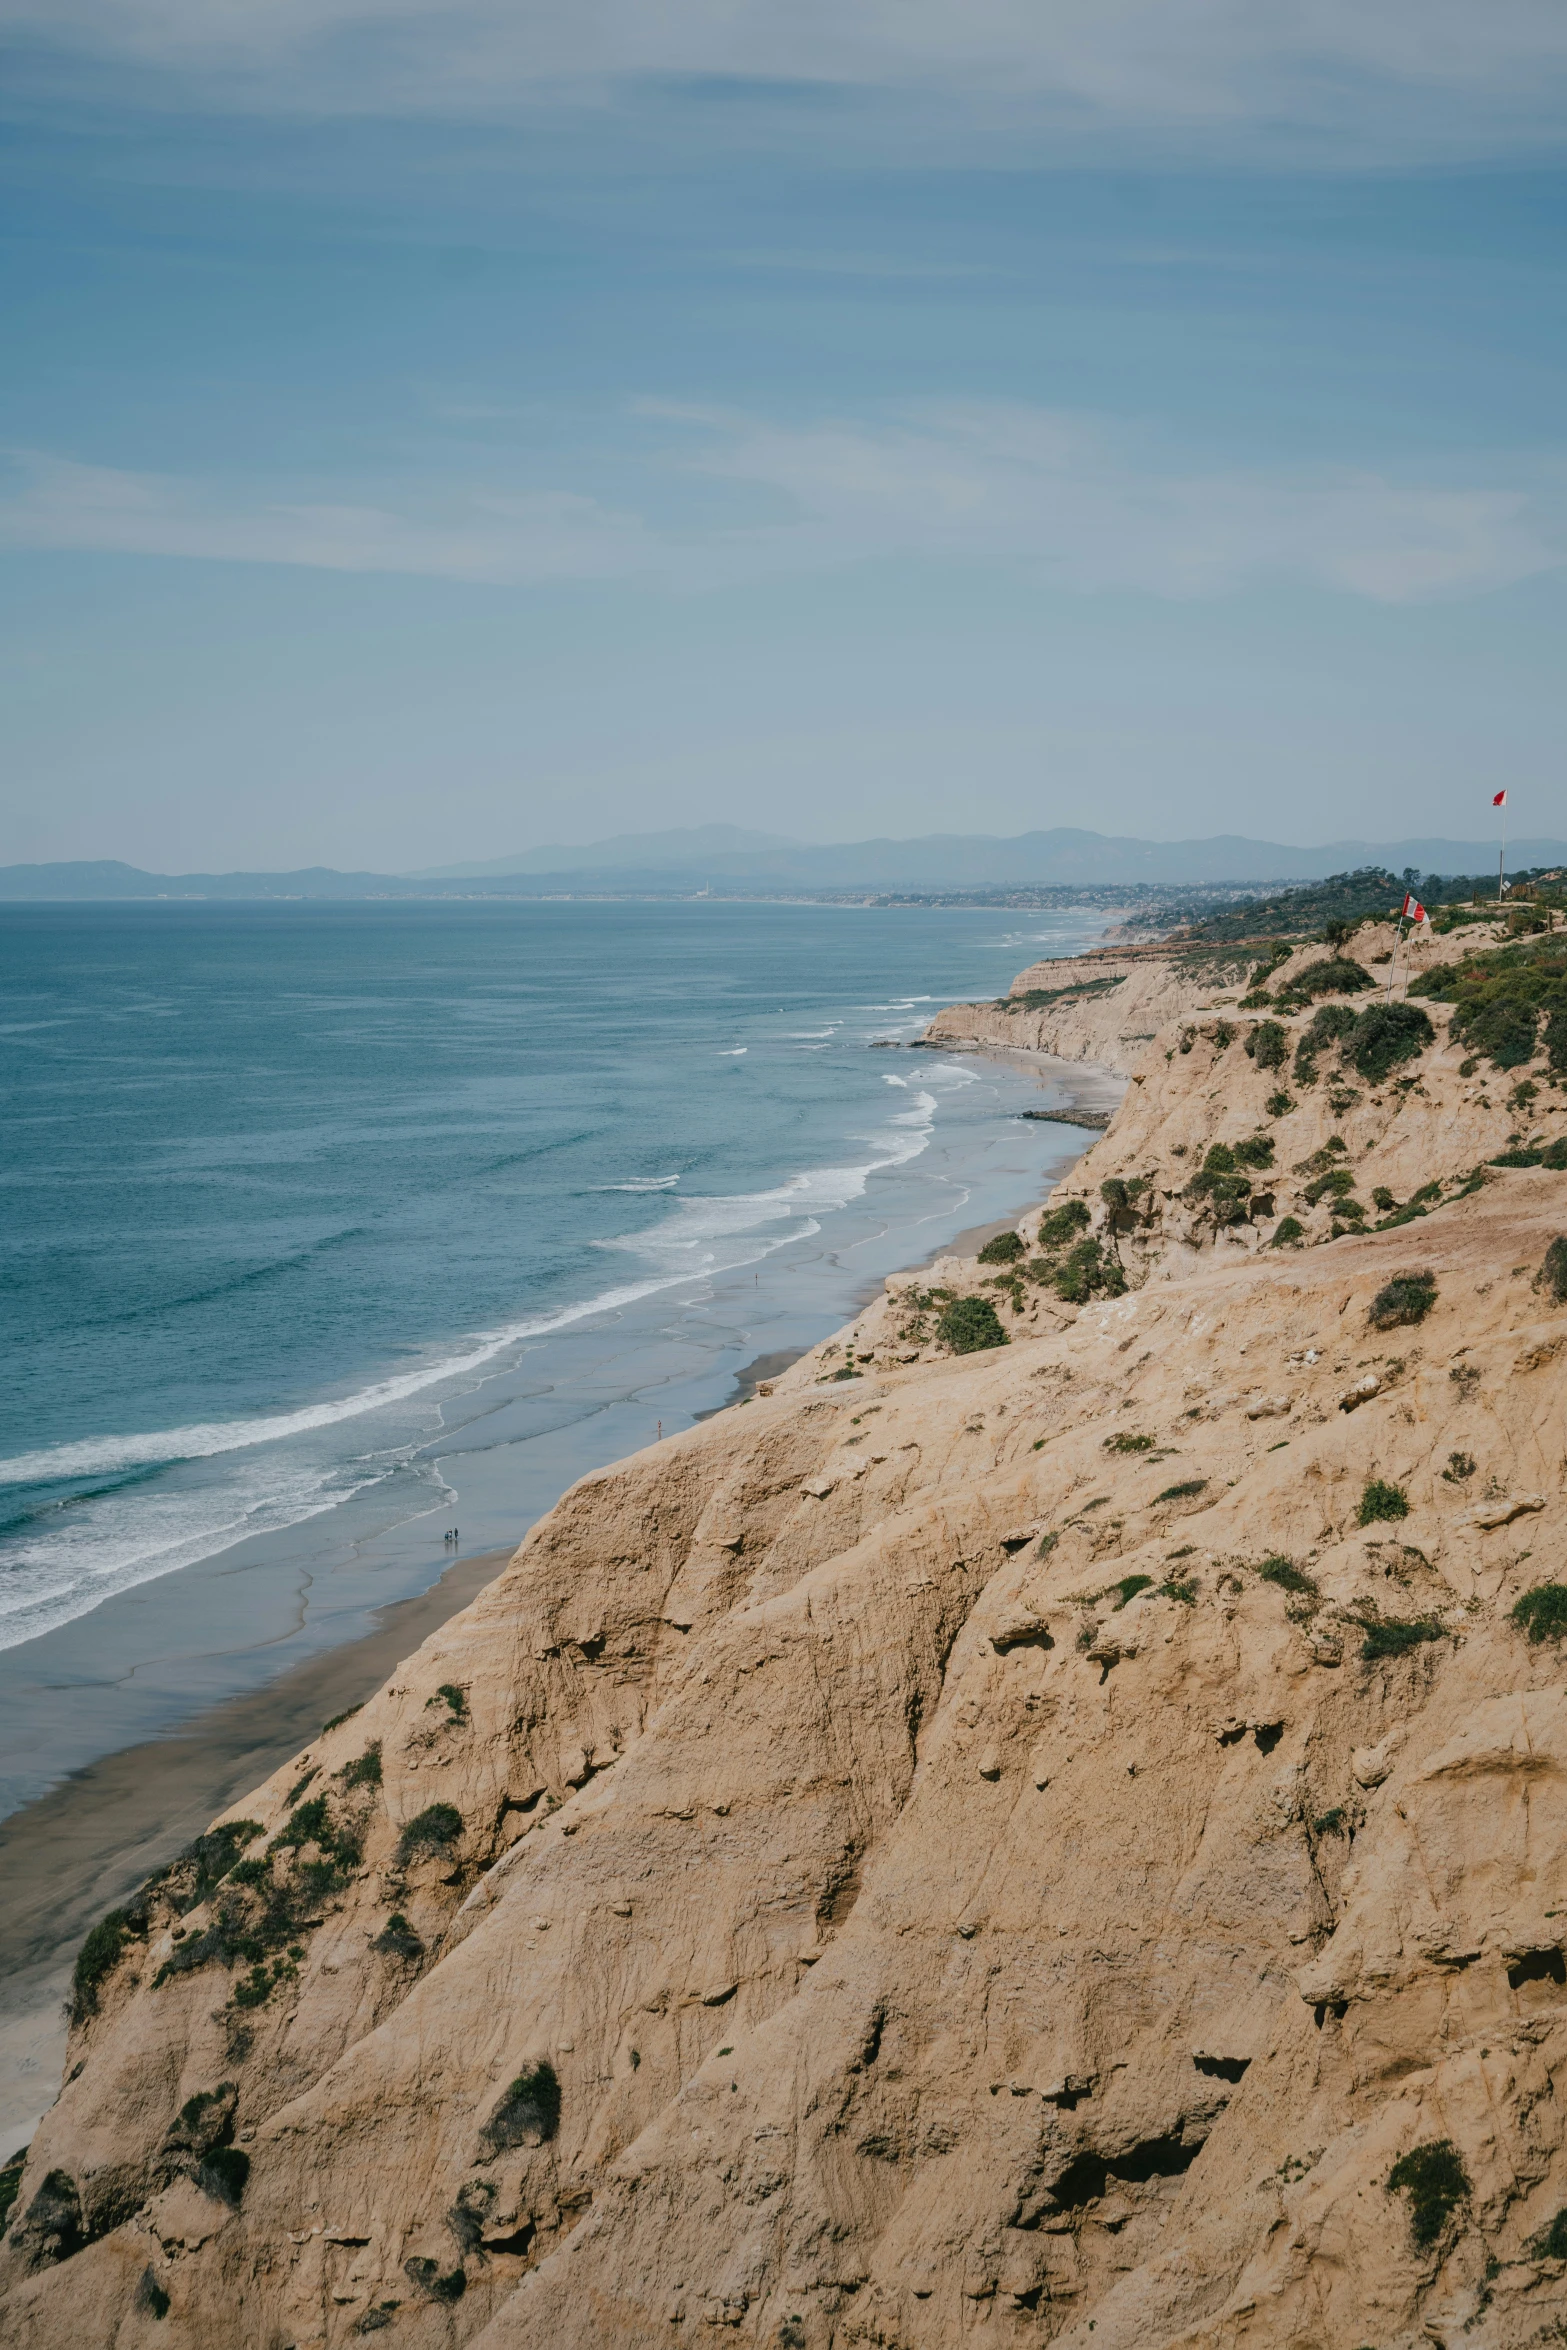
[{"x": 332, "y": 1225}]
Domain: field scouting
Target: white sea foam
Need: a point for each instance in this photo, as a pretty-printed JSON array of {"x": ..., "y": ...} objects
[
  {"x": 115, "y": 1541},
  {"x": 688, "y": 1242},
  {"x": 724, "y": 1231},
  {"x": 733, "y": 1052},
  {"x": 120, "y": 1540},
  {"x": 96, "y": 1456},
  {"x": 92, "y": 1550}
]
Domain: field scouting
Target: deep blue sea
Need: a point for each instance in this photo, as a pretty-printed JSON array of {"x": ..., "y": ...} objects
[{"x": 378, "y": 1217}]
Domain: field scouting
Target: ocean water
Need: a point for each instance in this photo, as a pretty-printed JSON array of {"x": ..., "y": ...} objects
[{"x": 328, "y": 1227}]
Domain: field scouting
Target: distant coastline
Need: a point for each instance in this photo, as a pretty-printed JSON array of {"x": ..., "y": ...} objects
[{"x": 1035, "y": 869}]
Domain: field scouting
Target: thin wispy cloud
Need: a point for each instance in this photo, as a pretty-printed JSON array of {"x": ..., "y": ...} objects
[
  {"x": 1063, "y": 498},
  {"x": 491, "y": 539},
  {"x": 1063, "y": 495},
  {"x": 1387, "y": 76}
]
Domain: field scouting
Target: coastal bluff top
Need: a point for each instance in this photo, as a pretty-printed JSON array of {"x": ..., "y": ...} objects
[{"x": 1109, "y": 1004}]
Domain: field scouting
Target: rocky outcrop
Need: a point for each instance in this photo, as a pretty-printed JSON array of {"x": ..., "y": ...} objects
[
  {"x": 1060, "y": 1843},
  {"x": 1105, "y": 1006}
]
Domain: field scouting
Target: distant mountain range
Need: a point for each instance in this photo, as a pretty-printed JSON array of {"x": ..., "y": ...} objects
[{"x": 722, "y": 856}]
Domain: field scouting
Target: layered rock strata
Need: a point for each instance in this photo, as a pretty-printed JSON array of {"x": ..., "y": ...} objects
[{"x": 1062, "y": 1843}]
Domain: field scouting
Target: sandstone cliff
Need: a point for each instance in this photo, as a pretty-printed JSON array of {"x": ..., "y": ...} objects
[
  {"x": 1105, "y": 1006},
  {"x": 1060, "y": 1843}
]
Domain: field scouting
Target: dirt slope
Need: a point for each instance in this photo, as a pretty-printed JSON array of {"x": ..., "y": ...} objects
[{"x": 889, "y": 1866}]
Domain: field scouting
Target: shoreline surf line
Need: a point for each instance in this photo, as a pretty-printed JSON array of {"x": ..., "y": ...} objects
[
  {"x": 707, "y": 1227},
  {"x": 700, "y": 1217},
  {"x": 1078, "y": 1112}
]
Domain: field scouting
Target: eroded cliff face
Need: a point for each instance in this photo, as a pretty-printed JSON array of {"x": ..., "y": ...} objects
[
  {"x": 1105, "y": 1006},
  {"x": 1008, "y": 1846}
]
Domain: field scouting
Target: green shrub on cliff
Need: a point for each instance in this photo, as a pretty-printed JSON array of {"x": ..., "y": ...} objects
[
  {"x": 1407, "y": 1298},
  {"x": 307, "y": 1823},
  {"x": 264, "y": 1903},
  {"x": 969, "y": 1325},
  {"x": 1287, "y": 1575},
  {"x": 11, "y": 2184},
  {"x": 365, "y": 1769},
  {"x": 1089, "y": 1271},
  {"x": 1384, "y": 1035},
  {"x": 1396, "y": 1636},
  {"x": 431, "y": 1830},
  {"x": 1542, "y": 1612},
  {"x": 1550, "y": 1154},
  {"x": 53, "y": 2227},
  {"x": 1501, "y": 999},
  {"x": 1380, "y": 1500},
  {"x": 529, "y": 2112},
  {"x": 397, "y": 1939},
  {"x": 1336, "y": 975},
  {"x": 1435, "y": 2180},
  {"x": 223, "y": 2173},
  {"x": 1039, "y": 999},
  {"x": 1128, "y": 1588},
  {"x": 337, "y": 1841},
  {"x": 1004, "y": 1249},
  {"x": 194, "y": 1874},
  {"x": 1552, "y": 1276},
  {"x": 1268, "y": 1044},
  {"x": 96, "y": 1961},
  {"x": 1057, "y": 1225},
  {"x": 420, "y": 2270},
  {"x": 1551, "y": 2241},
  {"x": 1220, "y": 1187},
  {"x": 1330, "y": 1024}
]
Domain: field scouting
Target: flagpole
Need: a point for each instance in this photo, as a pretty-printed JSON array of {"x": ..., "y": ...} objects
[{"x": 1501, "y": 862}]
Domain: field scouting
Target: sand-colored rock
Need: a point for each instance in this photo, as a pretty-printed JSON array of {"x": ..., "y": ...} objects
[
  {"x": 1106, "y": 1005},
  {"x": 1110, "y": 1004},
  {"x": 960, "y": 1896}
]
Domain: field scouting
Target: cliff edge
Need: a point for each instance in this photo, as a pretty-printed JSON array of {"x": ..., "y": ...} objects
[{"x": 1048, "y": 1827}]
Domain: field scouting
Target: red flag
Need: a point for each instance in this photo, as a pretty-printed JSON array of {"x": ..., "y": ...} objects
[
  {"x": 1413, "y": 911},
  {"x": 1499, "y": 800}
]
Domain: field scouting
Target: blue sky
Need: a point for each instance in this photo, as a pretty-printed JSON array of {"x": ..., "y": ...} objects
[{"x": 427, "y": 433}]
